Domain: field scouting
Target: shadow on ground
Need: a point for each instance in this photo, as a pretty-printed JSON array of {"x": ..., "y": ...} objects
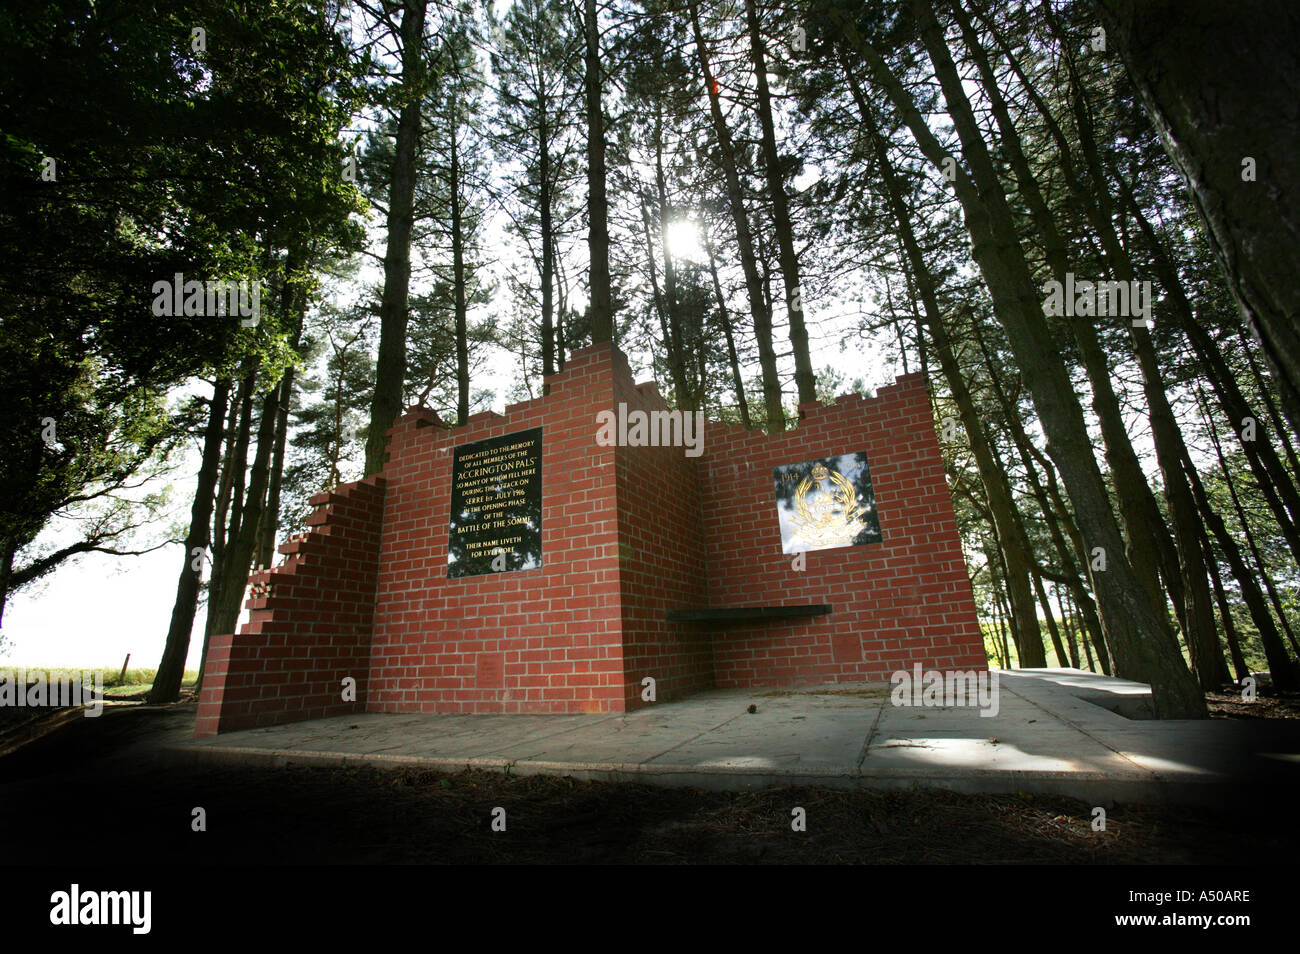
[{"x": 105, "y": 784}]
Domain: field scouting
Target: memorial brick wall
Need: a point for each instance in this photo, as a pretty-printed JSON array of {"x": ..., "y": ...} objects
[
  {"x": 903, "y": 600},
  {"x": 532, "y": 640},
  {"x": 627, "y": 534}
]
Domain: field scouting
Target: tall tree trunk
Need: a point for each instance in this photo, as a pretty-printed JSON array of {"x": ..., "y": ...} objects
[
  {"x": 671, "y": 312},
  {"x": 1000, "y": 602},
  {"x": 805, "y": 381},
  {"x": 1247, "y": 533},
  {"x": 762, "y": 316},
  {"x": 458, "y": 280},
  {"x": 223, "y": 612},
  {"x": 547, "y": 263},
  {"x": 1225, "y": 611},
  {"x": 295, "y": 304},
  {"x": 1070, "y": 635},
  {"x": 1265, "y": 393},
  {"x": 1048, "y": 506},
  {"x": 230, "y": 497},
  {"x": 602, "y": 311},
  {"x": 1210, "y": 100},
  {"x": 7, "y": 553},
  {"x": 1285, "y": 675},
  {"x": 1088, "y": 641},
  {"x": 235, "y": 499},
  {"x": 675, "y": 369},
  {"x": 271, "y": 516},
  {"x": 1076, "y": 630},
  {"x": 737, "y": 381},
  {"x": 171, "y": 669},
  {"x": 561, "y": 307},
  {"x": 394, "y": 305},
  {"x": 230, "y": 576},
  {"x": 236, "y": 437},
  {"x": 1057, "y": 646},
  {"x": 1192, "y": 588},
  {"x": 1198, "y": 615}
]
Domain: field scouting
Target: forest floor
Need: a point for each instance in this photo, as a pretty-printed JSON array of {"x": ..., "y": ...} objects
[
  {"x": 111, "y": 774},
  {"x": 1278, "y": 705}
]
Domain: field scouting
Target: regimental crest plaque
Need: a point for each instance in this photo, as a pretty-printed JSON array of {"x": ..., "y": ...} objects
[
  {"x": 496, "y": 505},
  {"x": 826, "y": 503}
]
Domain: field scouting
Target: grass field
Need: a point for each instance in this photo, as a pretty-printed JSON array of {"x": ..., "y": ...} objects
[
  {"x": 136, "y": 680},
  {"x": 137, "y": 683}
]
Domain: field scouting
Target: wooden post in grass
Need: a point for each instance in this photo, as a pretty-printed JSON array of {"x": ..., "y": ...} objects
[{"x": 121, "y": 680}]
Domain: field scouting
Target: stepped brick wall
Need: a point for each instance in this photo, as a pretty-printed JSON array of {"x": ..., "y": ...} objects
[
  {"x": 310, "y": 623},
  {"x": 628, "y": 533}
]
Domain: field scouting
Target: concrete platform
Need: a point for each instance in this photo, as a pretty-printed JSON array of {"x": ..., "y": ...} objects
[{"x": 1056, "y": 731}]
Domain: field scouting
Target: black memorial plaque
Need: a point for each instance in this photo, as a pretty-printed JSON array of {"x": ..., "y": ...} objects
[
  {"x": 496, "y": 505},
  {"x": 826, "y": 503}
]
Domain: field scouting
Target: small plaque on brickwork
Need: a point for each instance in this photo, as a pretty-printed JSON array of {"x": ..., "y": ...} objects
[
  {"x": 826, "y": 503},
  {"x": 490, "y": 670},
  {"x": 496, "y": 505}
]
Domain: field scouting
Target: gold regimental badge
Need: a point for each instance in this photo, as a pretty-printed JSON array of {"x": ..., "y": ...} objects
[{"x": 833, "y": 517}]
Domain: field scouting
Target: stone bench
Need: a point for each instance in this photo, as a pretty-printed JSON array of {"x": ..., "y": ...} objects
[{"x": 744, "y": 614}]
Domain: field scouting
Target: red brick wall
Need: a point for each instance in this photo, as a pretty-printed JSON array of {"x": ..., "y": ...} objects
[
  {"x": 541, "y": 640},
  {"x": 899, "y": 602},
  {"x": 662, "y": 550},
  {"x": 309, "y": 624},
  {"x": 627, "y": 534}
]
